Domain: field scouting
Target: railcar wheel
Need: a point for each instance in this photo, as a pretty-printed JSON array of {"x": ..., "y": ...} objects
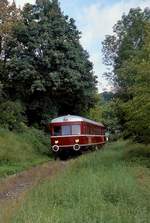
[{"x": 76, "y": 147}]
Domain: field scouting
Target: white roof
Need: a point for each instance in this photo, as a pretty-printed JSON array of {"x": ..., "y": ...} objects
[{"x": 74, "y": 118}]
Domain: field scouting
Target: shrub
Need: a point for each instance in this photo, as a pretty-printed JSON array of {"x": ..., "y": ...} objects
[
  {"x": 18, "y": 147},
  {"x": 12, "y": 115},
  {"x": 138, "y": 154}
]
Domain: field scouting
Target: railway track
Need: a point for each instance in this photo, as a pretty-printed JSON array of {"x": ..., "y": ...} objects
[{"x": 13, "y": 186}]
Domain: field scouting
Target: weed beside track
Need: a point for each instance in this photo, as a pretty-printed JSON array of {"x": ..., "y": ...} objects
[{"x": 107, "y": 186}]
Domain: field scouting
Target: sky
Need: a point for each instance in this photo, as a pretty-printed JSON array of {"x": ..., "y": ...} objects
[{"x": 95, "y": 19}]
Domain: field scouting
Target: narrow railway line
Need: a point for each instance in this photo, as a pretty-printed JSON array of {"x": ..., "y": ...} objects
[{"x": 13, "y": 186}]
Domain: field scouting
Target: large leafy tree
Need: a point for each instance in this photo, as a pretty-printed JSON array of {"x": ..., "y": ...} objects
[
  {"x": 127, "y": 52},
  {"x": 9, "y": 16},
  {"x": 49, "y": 70},
  {"x": 137, "y": 110}
]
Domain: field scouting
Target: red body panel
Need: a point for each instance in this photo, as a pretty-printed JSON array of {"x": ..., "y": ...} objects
[
  {"x": 90, "y": 134},
  {"x": 84, "y": 140}
]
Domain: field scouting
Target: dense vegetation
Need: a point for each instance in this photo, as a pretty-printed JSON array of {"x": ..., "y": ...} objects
[
  {"x": 22, "y": 150},
  {"x": 127, "y": 53},
  {"x": 42, "y": 63},
  {"x": 106, "y": 186},
  {"x": 105, "y": 111},
  {"x": 44, "y": 72}
]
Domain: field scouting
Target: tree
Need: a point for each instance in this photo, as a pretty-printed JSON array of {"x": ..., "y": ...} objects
[
  {"x": 105, "y": 111},
  {"x": 49, "y": 70},
  {"x": 95, "y": 113},
  {"x": 127, "y": 51},
  {"x": 1, "y": 92},
  {"x": 137, "y": 109},
  {"x": 9, "y": 15},
  {"x": 12, "y": 115}
]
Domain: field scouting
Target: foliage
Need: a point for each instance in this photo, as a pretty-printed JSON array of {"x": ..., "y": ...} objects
[
  {"x": 47, "y": 68},
  {"x": 9, "y": 15},
  {"x": 138, "y": 154},
  {"x": 99, "y": 187},
  {"x": 1, "y": 92},
  {"x": 21, "y": 150},
  {"x": 12, "y": 115},
  {"x": 95, "y": 113},
  {"x": 106, "y": 96},
  {"x": 127, "y": 50},
  {"x": 105, "y": 111},
  {"x": 110, "y": 120}
]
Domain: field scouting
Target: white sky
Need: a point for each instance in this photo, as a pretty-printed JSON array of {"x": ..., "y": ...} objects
[{"x": 95, "y": 19}]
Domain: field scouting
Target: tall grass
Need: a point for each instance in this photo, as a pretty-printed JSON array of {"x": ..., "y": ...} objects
[
  {"x": 97, "y": 188},
  {"x": 20, "y": 150}
]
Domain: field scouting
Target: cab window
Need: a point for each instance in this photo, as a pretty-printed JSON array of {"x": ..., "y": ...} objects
[{"x": 57, "y": 130}]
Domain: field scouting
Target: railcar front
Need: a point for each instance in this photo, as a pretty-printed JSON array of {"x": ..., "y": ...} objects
[
  {"x": 65, "y": 135},
  {"x": 75, "y": 133}
]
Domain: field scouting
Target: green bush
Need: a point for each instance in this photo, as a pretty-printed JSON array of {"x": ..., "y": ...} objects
[
  {"x": 138, "y": 154},
  {"x": 12, "y": 115},
  {"x": 23, "y": 146},
  {"x": 21, "y": 150}
]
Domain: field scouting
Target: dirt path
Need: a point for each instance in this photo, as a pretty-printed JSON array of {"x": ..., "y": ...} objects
[{"x": 13, "y": 186}]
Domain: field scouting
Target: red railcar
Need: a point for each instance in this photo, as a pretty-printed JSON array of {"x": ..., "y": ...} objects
[{"x": 75, "y": 133}]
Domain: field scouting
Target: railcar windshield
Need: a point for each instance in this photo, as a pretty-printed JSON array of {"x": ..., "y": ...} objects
[
  {"x": 57, "y": 130},
  {"x": 67, "y": 130}
]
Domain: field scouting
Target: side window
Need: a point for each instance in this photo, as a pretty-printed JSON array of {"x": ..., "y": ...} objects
[
  {"x": 57, "y": 130},
  {"x": 66, "y": 130},
  {"x": 75, "y": 129},
  {"x": 84, "y": 129},
  {"x": 88, "y": 130},
  {"x": 100, "y": 131}
]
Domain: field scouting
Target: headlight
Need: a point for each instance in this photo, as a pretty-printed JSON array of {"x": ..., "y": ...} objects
[
  {"x": 56, "y": 141},
  {"x": 77, "y": 140}
]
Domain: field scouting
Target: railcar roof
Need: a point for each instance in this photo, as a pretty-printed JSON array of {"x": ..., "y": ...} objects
[{"x": 74, "y": 118}]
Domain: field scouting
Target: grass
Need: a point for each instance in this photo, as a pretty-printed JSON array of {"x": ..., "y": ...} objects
[
  {"x": 19, "y": 151},
  {"x": 101, "y": 187}
]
